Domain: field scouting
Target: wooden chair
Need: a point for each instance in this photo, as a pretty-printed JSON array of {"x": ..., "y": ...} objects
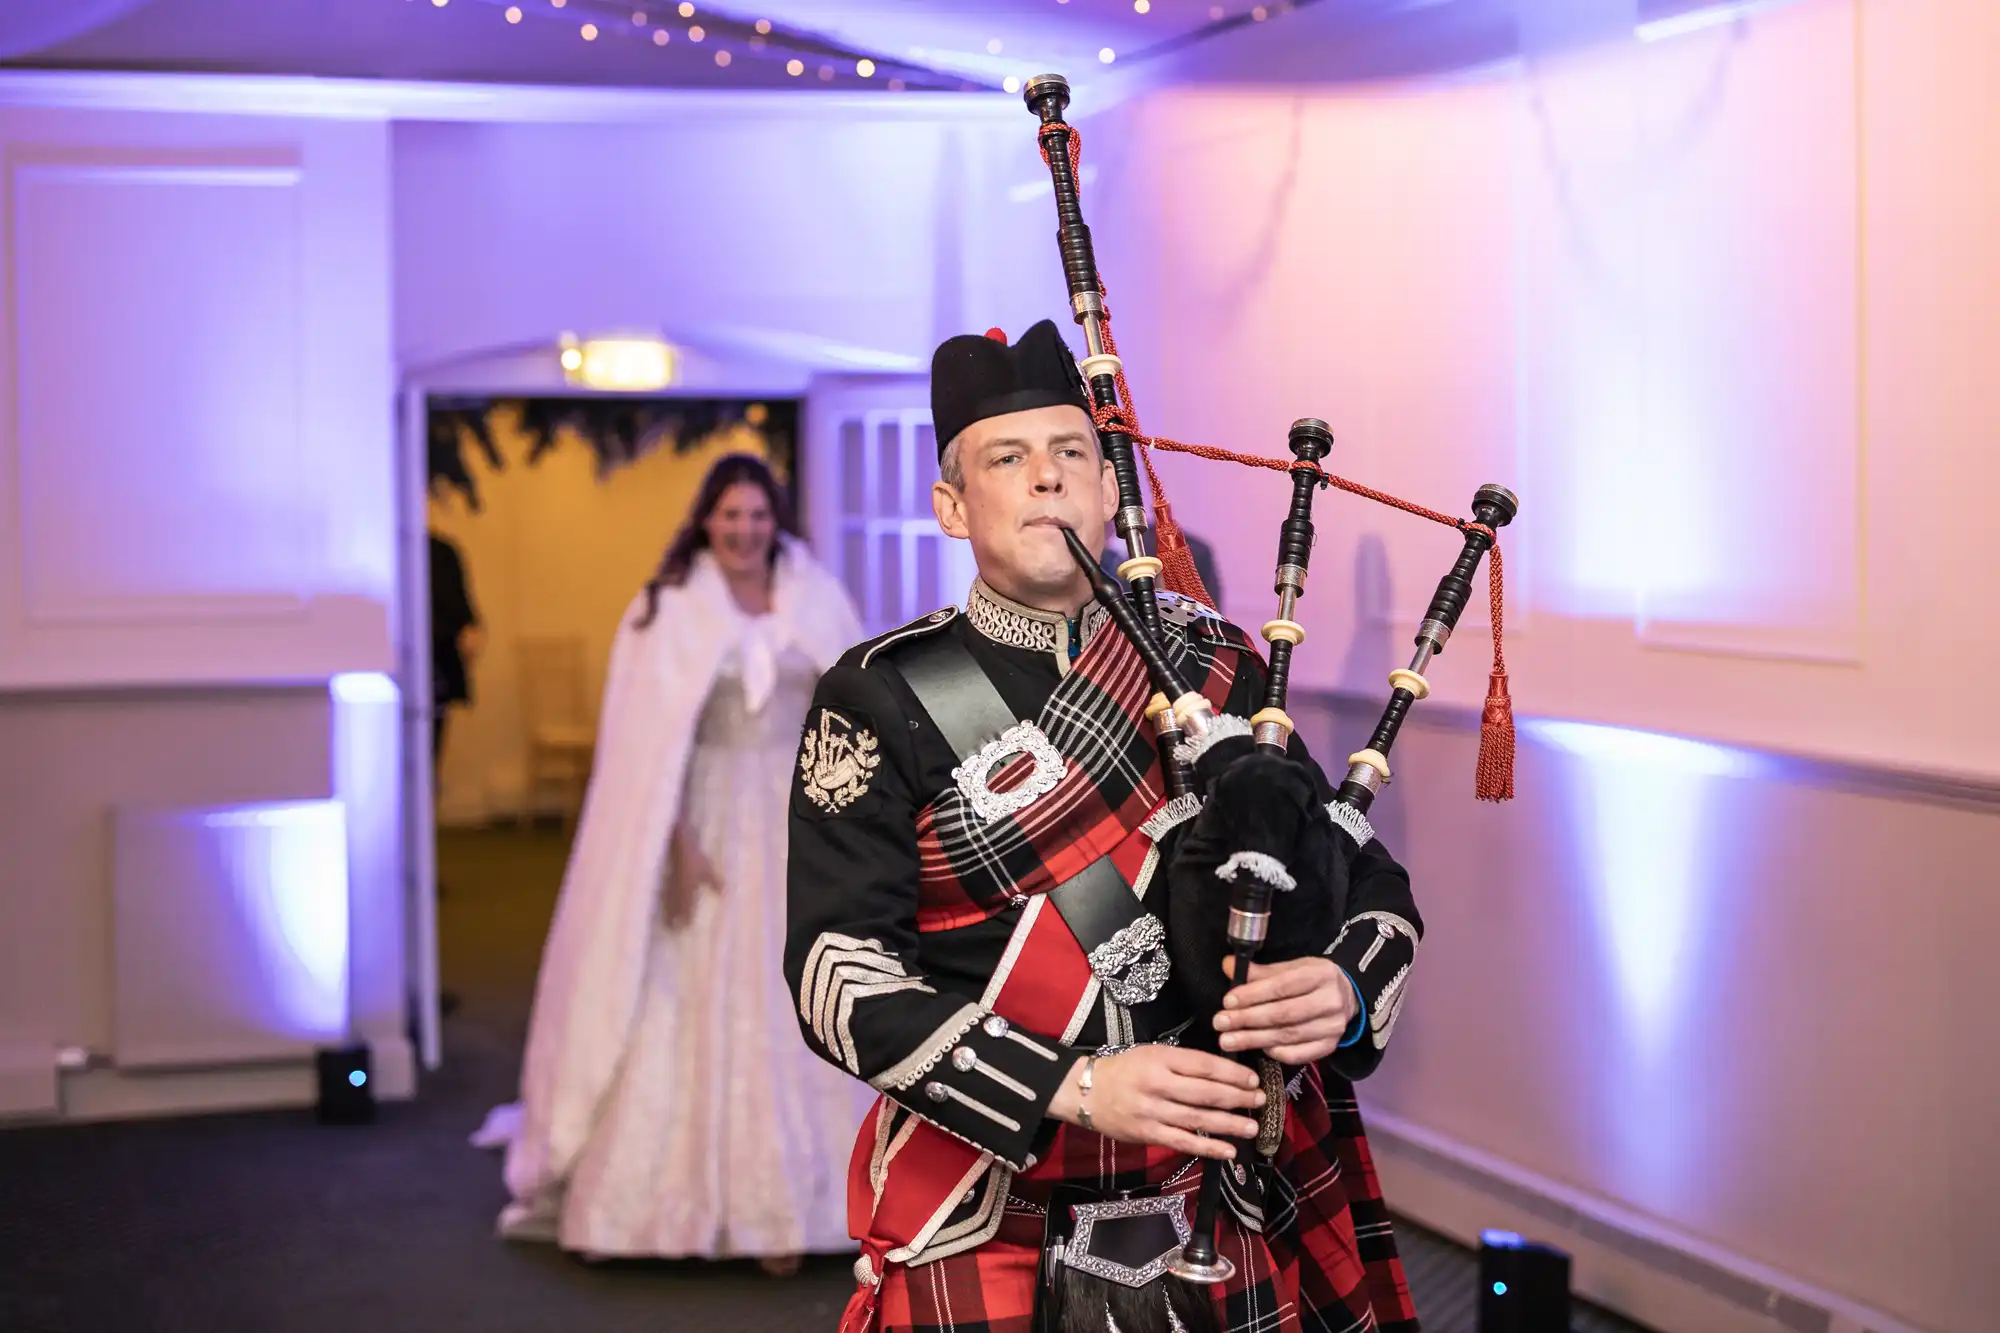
[{"x": 556, "y": 724}]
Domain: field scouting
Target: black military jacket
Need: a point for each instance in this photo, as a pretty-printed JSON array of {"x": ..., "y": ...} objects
[{"x": 889, "y": 1004}]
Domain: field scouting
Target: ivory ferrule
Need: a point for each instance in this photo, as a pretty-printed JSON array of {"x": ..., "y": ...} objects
[
  {"x": 1373, "y": 760},
  {"x": 1272, "y": 726},
  {"x": 1102, "y": 364},
  {"x": 1193, "y": 711},
  {"x": 1290, "y": 631},
  {"x": 1403, "y": 679},
  {"x": 1157, "y": 705},
  {"x": 1140, "y": 567}
]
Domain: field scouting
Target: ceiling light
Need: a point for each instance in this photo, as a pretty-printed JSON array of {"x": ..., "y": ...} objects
[
  {"x": 440, "y": 3},
  {"x": 1260, "y": 13},
  {"x": 865, "y": 67},
  {"x": 722, "y": 59},
  {"x": 590, "y": 32},
  {"x": 558, "y": 3},
  {"x": 696, "y": 33},
  {"x": 687, "y": 9},
  {"x": 1107, "y": 55},
  {"x": 764, "y": 27},
  {"x": 639, "y": 18},
  {"x": 826, "y": 74},
  {"x": 993, "y": 47},
  {"x": 1142, "y": 6},
  {"x": 621, "y": 364},
  {"x": 661, "y": 37},
  {"x": 896, "y": 85},
  {"x": 1215, "y": 12},
  {"x": 795, "y": 67},
  {"x": 1011, "y": 84},
  {"x": 513, "y": 13}
]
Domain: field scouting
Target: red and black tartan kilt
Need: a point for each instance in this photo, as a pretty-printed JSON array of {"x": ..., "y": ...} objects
[{"x": 1313, "y": 1273}]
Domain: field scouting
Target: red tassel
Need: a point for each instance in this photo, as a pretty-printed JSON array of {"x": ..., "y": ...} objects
[
  {"x": 1178, "y": 570},
  {"x": 1495, "y": 781}
]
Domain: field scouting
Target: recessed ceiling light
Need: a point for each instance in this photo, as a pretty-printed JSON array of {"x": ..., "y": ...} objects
[
  {"x": 590, "y": 32},
  {"x": 697, "y": 33},
  {"x": 993, "y": 47},
  {"x": 795, "y": 67},
  {"x": 1011, "y": 84},
  {"x": 722, "y": 59},
  {"x": 764, "y": 27},
  {"x": 661, "y": 37},
  {"x": 1107, "y": 55},
  {"x": 1143, "y": 6},
  {"x": 639, "y": 17},
  {"x": 865, "y": 67},
  {"x": 513, "y": 13},
  {"x": 687, "y": 9}
]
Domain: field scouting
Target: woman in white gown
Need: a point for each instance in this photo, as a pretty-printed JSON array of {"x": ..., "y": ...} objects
[{"x": 669, "y": 1107}]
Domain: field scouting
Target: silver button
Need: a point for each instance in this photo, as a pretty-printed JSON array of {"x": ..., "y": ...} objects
[
  {"x": 935, "y": 1091},
  {"x": 995, "y": 1026},
  {"x": 964, "y": 1059}
]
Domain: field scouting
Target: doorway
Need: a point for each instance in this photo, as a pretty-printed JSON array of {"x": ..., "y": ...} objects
[{"x": 542, "y": 515}]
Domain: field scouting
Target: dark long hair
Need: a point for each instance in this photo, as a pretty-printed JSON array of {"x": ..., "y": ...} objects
[{"x": 728, "y": 470}]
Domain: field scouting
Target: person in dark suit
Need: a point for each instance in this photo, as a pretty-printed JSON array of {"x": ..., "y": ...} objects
[{"x": 455, "y": 638}]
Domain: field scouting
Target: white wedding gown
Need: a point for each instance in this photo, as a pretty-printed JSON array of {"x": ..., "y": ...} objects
[{"x": 721, "y": 1134}]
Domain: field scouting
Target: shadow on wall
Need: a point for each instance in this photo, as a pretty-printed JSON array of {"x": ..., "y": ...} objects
[{"x": 569, "y": 522}]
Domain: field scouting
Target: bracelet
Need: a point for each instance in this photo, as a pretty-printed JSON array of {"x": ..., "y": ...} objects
[{"x": 1083, "y": 1092}]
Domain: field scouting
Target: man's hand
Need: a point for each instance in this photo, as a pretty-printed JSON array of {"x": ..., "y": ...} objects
[
  {"x": 1296, "y": 1012},
  {"x": 1165, "y": 1096}
]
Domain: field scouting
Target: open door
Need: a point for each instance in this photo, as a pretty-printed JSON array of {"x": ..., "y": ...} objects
[{"x": 871, "y": 457}]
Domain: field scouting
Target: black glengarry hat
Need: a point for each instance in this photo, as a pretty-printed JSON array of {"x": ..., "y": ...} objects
[{"x": 976, "y": 376}]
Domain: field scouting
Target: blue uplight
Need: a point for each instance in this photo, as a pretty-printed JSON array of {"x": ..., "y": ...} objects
[
  {"x": 1499, "y": 1288},
  {"x": 357, "y": 1078}
]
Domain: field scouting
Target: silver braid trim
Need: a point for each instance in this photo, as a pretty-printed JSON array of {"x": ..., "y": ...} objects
[
  {"x": 1171, "y": 816},
  {"x": 1257, "y": 865},
  {"x": 1347, "y": 817},
  {"x": 1221, "y": 728}
]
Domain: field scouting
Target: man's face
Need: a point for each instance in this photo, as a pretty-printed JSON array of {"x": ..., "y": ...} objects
[{"x": 1029, "y": 475}]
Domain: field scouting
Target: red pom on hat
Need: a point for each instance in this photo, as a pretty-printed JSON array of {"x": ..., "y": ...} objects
[{"x": 998, "y": 335}]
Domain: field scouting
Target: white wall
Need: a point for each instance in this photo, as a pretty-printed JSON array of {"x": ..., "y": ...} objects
[
  {"x": 199, "y": 479},
  {"x": 1721, "y": 309},
  {"x": 854, "y": 238},
  {"x": 1713, "y": 305},
  {"x": 197, "y": 518}
]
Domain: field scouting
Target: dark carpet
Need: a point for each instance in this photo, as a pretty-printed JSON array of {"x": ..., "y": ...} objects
[{"x": 271, "y": 1223}]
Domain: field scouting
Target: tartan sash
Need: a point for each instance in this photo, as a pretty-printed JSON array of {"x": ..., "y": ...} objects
[
  {"x": 915, "y": 1192},
  {"x": 972, "y": 869}
]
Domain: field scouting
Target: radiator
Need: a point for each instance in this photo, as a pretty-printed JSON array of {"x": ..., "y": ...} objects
[{"x": 230, "y": 933}]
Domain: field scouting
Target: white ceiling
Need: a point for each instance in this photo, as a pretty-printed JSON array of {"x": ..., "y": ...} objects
[{"x": 917, "y": 44}]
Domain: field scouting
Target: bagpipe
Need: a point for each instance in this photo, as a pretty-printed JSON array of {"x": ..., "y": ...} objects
[{"x": 1261, "y": 871}]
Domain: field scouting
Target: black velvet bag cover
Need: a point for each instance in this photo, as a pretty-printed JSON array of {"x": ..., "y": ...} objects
[{"x": 1257, "y": 802}]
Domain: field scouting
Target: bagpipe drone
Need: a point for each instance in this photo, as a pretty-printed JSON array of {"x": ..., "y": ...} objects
[{"x": 1261, "y": 872}]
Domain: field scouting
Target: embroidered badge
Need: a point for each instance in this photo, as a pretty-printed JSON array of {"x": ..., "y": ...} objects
[
  {"x": 1023, "y": 738},
  {"x": 837, "y": 761}
]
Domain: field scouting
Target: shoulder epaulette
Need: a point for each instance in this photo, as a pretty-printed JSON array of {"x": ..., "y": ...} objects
[{"x": 917, "y": 628}]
